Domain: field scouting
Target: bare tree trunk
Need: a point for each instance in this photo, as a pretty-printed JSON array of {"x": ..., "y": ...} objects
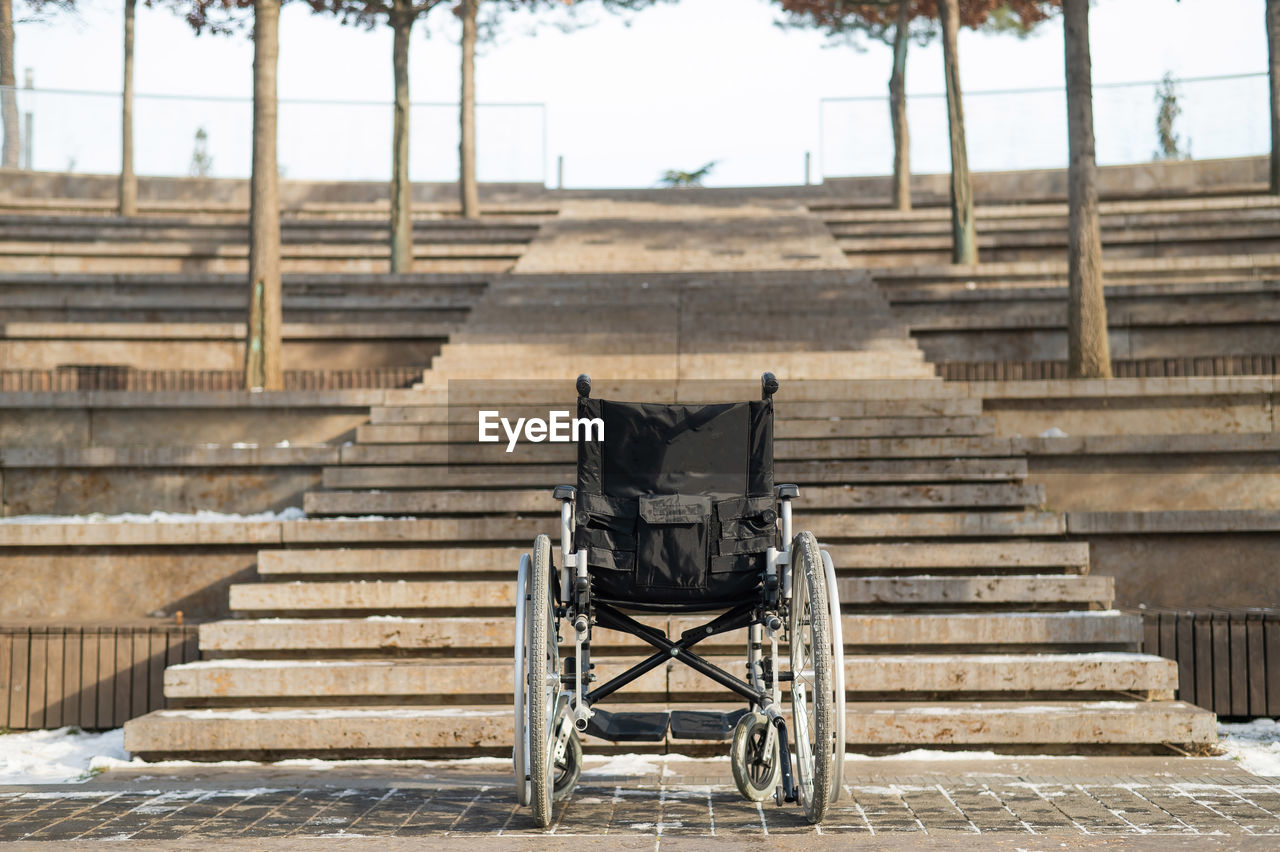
[
  {"x": 898, "y": 110},
  {"x": 1273, "y": 67},
  {"x": 8, "y": 80},
  {"x": 262, "y": 360},
  {"x": 964, "y": 238},
  {"x": 128, "y": 180},
  {"x": 401, "y": 190},
  {"x": 1088, "y": 350},
  {"x": 467, "y": 145}
]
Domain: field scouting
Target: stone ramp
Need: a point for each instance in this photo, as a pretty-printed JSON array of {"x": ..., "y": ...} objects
[
  {"x": 614, "y": 237},
  {"x": 967, "y": 619},
  {"x": 681, "y": 326}
]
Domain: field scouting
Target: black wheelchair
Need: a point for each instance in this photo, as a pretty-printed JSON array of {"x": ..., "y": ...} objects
[{"x": 676, "y": 511}]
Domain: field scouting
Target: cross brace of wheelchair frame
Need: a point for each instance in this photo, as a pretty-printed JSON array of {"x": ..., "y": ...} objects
[{"x": 743, "y": 615}]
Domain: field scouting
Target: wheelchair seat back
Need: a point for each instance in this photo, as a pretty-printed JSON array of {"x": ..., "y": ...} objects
[{"x": 675, "y": 506}]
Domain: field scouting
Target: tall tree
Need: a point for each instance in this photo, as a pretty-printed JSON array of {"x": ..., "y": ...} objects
[
  {"x": 400, "y": 15},
  {"x": 1273, "y": 74},
  {"x": 964, "y": 236},
  {"x": 475, "y": 30},
  {"x": 263, "y": 362},
  {"x": 128, "y": 194},
  {"x": 897, "y": 24},
  {"x": 898, "y": 110},
  {"x": 1088, "y": 350},
  {"x": 468, "y": 191},
  {"x": 263, "y": 348}
]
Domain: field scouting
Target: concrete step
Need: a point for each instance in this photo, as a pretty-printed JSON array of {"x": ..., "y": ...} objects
[
  {"x": 175, "y": 257},
  {"x": 993, "y": 723},
  {"x": 476, "y": 680},
  {"x": 373, "y": 596},
  {"x": 1069, "y": 557},
  {"x": 660, "y": 387},
  {"x": 550, "y": 362},
  {"x": 460, "y": 596},
  {"x": 784, "y": 410},
  {"x": 432, "y": 502},
  {"x": 204, "y": 734},
  {"x": 453, "y": 680},
  {"x": 956, "y": 674},
  {"x": 827, "y": 526},
  {"x": 923, "y": 427},
  {"x": 998, "y": 590},
  {"x": 467, "y": 450},
  {"x": 374, "y": 562},
  {"x": 959, "y": 557},
  {"x": 207, "y": 734},
  {"x": 391, "y": 634},
  {"x": 549, "y": 475}
]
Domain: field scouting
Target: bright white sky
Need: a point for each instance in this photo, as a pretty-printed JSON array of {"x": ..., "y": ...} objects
[{"x": 684, "y": 84}]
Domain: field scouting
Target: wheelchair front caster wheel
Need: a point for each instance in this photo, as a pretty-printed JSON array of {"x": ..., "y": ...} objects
[
  {"x": 755, "y": 757},
  {"x": 567, "y": 769}
]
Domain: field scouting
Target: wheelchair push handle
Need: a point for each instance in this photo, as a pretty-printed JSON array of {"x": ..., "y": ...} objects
[
  {"x": 768, "y": 385},
  {"x": 584, "y": 386}
]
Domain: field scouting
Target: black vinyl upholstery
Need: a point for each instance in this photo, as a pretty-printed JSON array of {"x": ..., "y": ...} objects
[{"x": 675, "y": 506}]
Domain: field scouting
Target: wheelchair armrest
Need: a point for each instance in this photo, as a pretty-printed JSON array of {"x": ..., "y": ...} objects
[
  {"x": 787, "y": 492},
  {"x": 564, "y": 492}
]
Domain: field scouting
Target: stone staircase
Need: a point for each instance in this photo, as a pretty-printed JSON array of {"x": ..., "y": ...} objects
[
  {"x": 340, "y": 241},
  {"x": 968, "y": 620},
  {"x": 1238, "y": 224}
]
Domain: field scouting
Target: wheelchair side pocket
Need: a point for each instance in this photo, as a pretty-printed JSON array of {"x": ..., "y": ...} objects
[
  {"x": 748, "y": 527},
  {"x": 673, "y": 542},
  {"x": 606, "y": 530}
]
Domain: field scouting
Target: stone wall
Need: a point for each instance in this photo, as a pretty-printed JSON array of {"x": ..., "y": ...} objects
[
  {"x": 1181, "y": 177},
  {"x": 18, "y": 184}
]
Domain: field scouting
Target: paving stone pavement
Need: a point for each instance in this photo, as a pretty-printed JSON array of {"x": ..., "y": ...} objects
[{"x": 1070, "y": 802}]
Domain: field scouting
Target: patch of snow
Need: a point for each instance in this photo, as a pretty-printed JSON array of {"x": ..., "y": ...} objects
[
  {"x": 891, "y": 790},
  {"x": 203, "y": 516},
  {"x": 1254, "y": 745},
  {"x": 1054, "y": 432},
  {"x": 625, "y": 764},
  {"x": 59, "y": 756}
]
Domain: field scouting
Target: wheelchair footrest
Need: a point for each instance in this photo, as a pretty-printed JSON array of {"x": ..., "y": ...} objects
[
  {"x": 704, "y": 725},
  {"x": 628, "y": 727}
]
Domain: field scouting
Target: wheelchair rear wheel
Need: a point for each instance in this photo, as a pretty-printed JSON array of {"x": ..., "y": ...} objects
[
  {"x": 542, "y": 664},
  {"x": 520, "y": 684},
  {"x": 754, "y": 757},
  {"x": 812, "y": 695}
]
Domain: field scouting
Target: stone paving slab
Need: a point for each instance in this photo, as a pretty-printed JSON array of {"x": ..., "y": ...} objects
[{"x": 1041, "y": 803}]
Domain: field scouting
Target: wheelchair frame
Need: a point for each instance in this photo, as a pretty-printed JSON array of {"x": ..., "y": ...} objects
[{"x": 546, "y": 731}]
